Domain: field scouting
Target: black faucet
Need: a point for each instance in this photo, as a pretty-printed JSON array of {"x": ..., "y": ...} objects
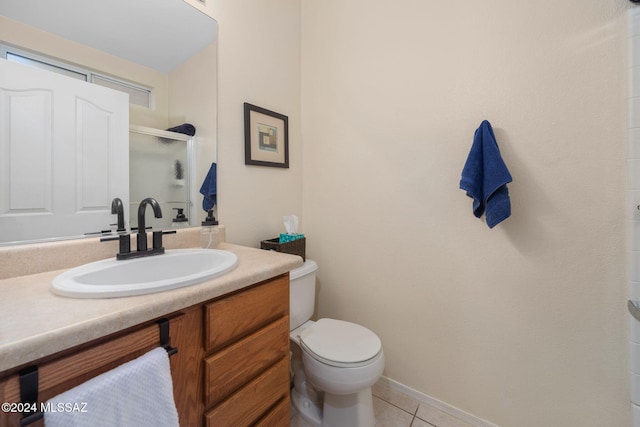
[
  {"x": 124, "y": 238},
  {"x": 125, "y": 242},
  {"x": 118, "y": 208},
  {"x": 142, "y": 234}
]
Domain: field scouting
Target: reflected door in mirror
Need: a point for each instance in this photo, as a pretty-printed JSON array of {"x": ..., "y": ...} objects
[{"x": 63, "y": 151}]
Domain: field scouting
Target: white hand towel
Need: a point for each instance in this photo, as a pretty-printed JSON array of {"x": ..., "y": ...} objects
[{"x": 137, "y": 393}]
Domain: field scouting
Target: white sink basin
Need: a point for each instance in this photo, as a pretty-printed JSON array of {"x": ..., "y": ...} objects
[{"x": 173, "y": 269}]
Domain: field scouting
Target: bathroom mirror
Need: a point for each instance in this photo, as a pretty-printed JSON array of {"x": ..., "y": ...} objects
[{"x": 166, "y": 46}]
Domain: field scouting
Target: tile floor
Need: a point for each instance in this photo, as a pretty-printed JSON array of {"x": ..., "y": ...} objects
[{"x": 393, "y": 408}]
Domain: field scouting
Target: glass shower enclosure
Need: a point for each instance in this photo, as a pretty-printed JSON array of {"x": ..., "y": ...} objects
[{"x": 160, "y": 166}]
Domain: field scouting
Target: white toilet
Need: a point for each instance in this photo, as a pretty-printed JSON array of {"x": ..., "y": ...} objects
[{"x": 334, "y": 362}]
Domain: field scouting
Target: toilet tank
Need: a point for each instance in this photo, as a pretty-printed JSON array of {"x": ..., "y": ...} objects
[{"x": 302, "y": 293}]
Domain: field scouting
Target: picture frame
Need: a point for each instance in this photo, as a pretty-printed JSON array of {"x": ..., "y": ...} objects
[{"x": 266, "y": 137}]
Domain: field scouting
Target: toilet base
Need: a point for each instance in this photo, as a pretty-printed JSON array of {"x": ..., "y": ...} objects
[
  {"x": 348, "y": 409},
  {"x": 308, "y": 410},
  {"x": 338, "y": 410},
  {"x": 324, "y": 409}
]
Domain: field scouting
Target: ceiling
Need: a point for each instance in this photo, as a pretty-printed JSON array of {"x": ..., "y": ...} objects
[{"x": 160, "y": 34}]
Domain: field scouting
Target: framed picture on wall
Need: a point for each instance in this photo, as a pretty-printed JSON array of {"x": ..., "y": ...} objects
[{"x": 266, "y": 137}]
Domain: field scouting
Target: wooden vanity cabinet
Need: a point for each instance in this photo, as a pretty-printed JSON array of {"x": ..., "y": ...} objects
[
  {"x": 247, "y": 361},
  {"x": 231, "y": 368}
]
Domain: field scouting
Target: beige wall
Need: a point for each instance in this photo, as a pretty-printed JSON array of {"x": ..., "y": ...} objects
[
  {"x": 259, "y": 63},
  {"x": 193, "y": 94},
  {"x": 524, "y": 324}
]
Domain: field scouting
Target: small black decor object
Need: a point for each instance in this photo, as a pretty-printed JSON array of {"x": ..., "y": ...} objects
[
  {"x": 186, "y": 128},
  {"x": 210, "y": 219},
  {"x": 180, "y": 216}
]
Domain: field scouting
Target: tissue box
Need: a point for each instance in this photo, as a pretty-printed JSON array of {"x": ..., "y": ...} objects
[{"x": 294, "y": 247}]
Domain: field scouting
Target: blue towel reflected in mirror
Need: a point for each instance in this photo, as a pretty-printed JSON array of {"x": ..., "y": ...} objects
[{"x": 209, "y": 189}]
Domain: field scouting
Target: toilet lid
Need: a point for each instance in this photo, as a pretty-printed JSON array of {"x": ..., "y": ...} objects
[{"x": 340, "y": 341}]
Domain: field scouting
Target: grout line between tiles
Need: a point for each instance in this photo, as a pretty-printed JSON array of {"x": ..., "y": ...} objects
[
  {"x": 414, "y": 415},
  {"x": 403, "y": 410}
]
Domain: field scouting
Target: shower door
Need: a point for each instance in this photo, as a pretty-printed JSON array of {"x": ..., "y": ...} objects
[{"x": 160, "y": 166}]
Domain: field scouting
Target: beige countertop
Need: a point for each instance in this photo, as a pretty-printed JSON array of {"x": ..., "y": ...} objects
[{"x": 36, "y": 323}]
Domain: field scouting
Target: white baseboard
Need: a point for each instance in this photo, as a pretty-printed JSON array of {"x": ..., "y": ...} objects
[{"x": 438, "y": 404}]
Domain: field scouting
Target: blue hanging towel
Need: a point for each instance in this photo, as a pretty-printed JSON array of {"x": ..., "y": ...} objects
[
  {"x": 485, "y": 177},
  {"x": 209, "y": 189}
]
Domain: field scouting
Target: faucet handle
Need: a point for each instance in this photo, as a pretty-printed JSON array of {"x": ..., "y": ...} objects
[
  {"x": 157, "y": 238},
  {"x": 124, "y": 247}
]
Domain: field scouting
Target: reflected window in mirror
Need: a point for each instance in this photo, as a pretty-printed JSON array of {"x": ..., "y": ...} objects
[{"x": 138, "y": 94}]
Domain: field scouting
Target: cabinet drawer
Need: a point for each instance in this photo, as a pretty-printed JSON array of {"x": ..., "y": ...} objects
[
  {"x": 223, "y": 374},
  {"x": 231, "y": 318},
  {"x": 278, "y": 416},
  {"x": 253, "y": 400}
]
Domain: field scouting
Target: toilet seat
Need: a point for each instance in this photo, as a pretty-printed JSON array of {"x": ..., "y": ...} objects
[{"x": 339, "y": 343}]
